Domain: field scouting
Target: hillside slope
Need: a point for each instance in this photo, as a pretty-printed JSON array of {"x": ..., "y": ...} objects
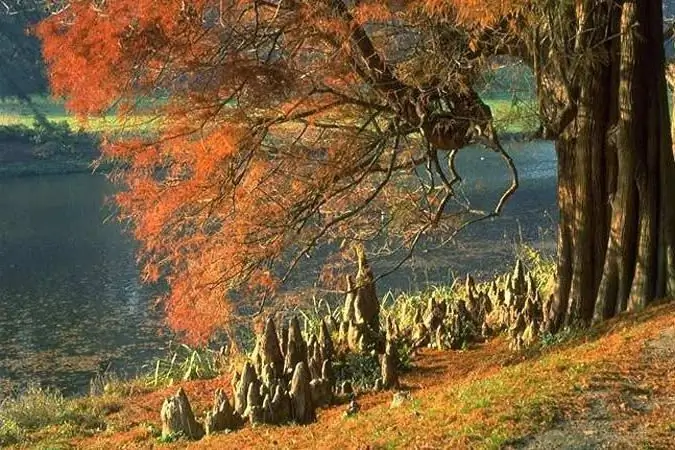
[{"x": 613, "y": 388}]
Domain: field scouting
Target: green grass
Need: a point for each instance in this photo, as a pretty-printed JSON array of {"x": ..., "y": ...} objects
[
  {"x": 511, "y": 116},
  {"x": 514, "y": 116},
  {"x": 14, "y": 112},
  {"x": 38, "y": 409}
]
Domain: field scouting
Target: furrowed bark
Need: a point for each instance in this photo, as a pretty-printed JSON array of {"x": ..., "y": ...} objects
[{"x": 617, "y": 272}]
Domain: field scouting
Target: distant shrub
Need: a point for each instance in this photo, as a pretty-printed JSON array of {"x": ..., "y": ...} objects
[{"x": 50, "y": 138}]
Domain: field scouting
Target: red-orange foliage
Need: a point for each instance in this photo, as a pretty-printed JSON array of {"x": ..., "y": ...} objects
[{"x": 282, "y": 127}]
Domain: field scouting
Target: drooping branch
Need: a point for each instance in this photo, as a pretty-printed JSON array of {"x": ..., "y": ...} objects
[{"x": 503, "y": 199}]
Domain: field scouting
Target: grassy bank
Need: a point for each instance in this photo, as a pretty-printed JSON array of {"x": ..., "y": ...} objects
[
  {"x": 17, "y": 113},
  {"x": 511, "y": 116},
  {"x": 483, "y": 397},
  {"x": 70, "y": 145},
  {"x": 57, "y": 143}
]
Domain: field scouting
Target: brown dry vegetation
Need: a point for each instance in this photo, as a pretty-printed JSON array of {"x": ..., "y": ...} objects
[{"x": 485, "y": 397}]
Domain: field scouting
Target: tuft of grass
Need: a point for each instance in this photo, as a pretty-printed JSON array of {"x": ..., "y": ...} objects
[
  {"x": 34, "y": 408},
  {"x": 360, "y": 369},
  {"x": 40, "y": 408},
  {"x": 320, "y": 309},
  {"x": 10, "y": 433},
  {"x": 563, "y": 336},
  {"x": 110, "y": 384},
  {"x": 170, "y": 438},
  {"x": 185, "y": 363}
]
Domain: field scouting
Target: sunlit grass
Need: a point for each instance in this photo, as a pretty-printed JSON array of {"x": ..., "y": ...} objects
[
  {"x": 510, "y": 117},
  {"x": 14, "y": 112},
  {"x": 94, "y": 124},
  {"x": 37, "y": 409},
  {"x": 514, "y": 116},
  {"x": 186, "y": 363}
]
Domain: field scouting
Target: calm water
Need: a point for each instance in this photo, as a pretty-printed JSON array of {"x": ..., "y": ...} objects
[
  {"x": 70, "y": 299},
  {"x": 71, "y": 302}
]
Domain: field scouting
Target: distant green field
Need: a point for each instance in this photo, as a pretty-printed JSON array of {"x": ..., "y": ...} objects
[
  {"x": 13, "y": 112},
  {"x": 95, "y": 124},
  {"x": 510, "y": 117},
  {"x": 514, "y": 116}
]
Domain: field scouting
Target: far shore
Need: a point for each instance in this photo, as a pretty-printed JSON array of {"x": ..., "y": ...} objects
[
  {"x": 23, "y": 159},
  {"x": 20, "y": 157}
]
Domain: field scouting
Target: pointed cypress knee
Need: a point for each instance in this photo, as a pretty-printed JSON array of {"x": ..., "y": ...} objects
[
  {"x": 348, "y": 309},
  {"x": 235, "y": 380},
  {"x": 178, "y": 418},
  {"x": 283, "y": 341},
  {"x": 270, "y": 349},
  {"x": 355, "y": 336},
  {"x": 248, "y": 376},
  {"x": 268, "y": 414},
  {"x": 518, "y": 283},
  {"x": 389, "y": 367},
  {"x": 314, "y": 368},
  {"x": 301, "y": 396},
  {"x": 281, "y": 405},
  {"x": 325, "y": 342},
  {"x": 366, "y": 304},
  {"x": 433, "y": 316},
  {"x": 321, "y": 392},
  {"x": 327, "y": 372},
  {"x": 297, "y": 347},
  {"x": 221, "y": 417},
  {"x": 254, "y": 411}
]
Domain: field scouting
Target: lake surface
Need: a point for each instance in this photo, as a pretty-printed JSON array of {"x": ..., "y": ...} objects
[{"x": 70, "y": 298}]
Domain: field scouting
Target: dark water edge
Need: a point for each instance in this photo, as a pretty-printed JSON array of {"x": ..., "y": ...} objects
[
  {"x": 71, "y": 302},
  {"x": 42, "y": 168}
]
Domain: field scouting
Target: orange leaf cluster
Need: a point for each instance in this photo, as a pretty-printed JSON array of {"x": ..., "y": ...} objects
[{"x": 473, "y": 12}]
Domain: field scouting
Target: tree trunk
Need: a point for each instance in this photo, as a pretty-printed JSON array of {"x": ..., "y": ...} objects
[{"x": 616, "y": 168}]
